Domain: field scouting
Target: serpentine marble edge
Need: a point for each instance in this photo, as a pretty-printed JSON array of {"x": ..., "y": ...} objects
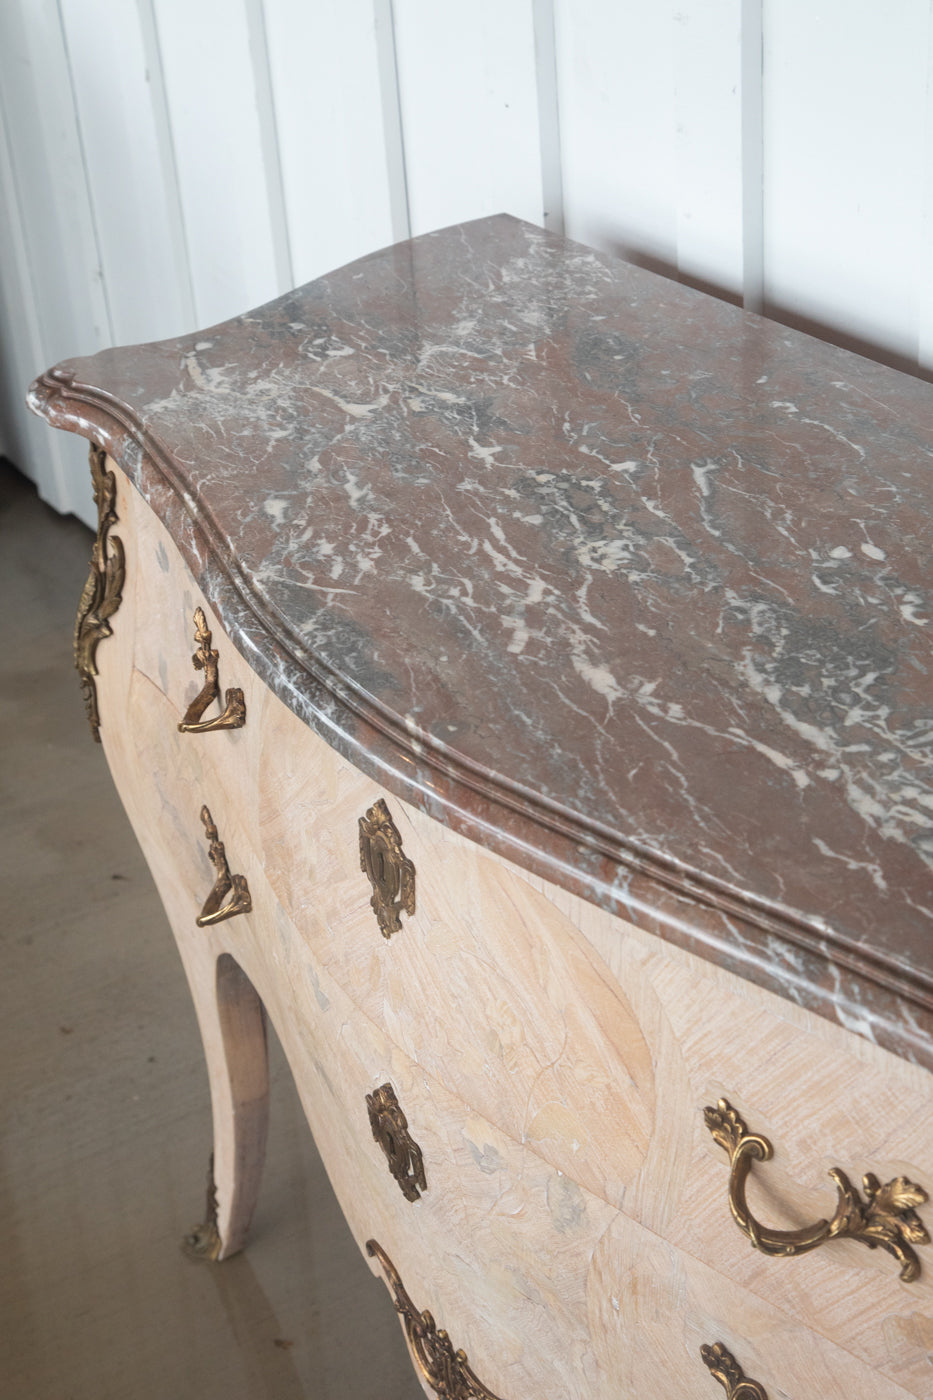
[{"x": 626, "y": 583}]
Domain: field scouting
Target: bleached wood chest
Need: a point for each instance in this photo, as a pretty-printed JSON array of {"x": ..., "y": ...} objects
[{"x": 517, "y": 670}]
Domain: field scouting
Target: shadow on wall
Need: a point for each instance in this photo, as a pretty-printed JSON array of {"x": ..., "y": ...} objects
[{"x": 774, "y": 311}]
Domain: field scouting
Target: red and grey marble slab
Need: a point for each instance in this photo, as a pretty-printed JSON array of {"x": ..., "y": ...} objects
[{"x": 603, "y": 572}]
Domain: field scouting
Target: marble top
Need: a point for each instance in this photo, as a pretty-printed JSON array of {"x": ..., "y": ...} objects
[{"x": 611, "y": 576}]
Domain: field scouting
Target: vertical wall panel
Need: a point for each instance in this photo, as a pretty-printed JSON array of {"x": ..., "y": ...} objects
[
  {"x": 845, "y": 90},
  {"x": 114, "y": 100},
  {"x": 169, "y": 163},
  {"x": 616, "y": 98},
  {"x": 707, "y": 50},
  {"x": 393, "y": 137},
  {"x": 65, "y": 281},
  {"x": 269, "y": 141},
  {"x": 46, "y": 457},
  {"x": 469, "y": 110},
  {"x": 207, "y": 65},
  {"x": 40, "y": 117},
  {"x": 19, "y": 323},
  {"x": 752, "y": 157},
  {"x": 546, "y": 81},
  {"x": 651, "y": 127},
  {"x": 328, "y": 100},
  {"x": 925, "y": 289}
]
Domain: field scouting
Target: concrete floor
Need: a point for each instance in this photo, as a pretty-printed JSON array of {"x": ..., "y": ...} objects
[{"x": 105, "y": 1111}]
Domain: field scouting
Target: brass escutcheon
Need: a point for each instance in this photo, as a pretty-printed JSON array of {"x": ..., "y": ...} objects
[
  {"x": 103, "y": 592},
  {"x": 388, "y": 869},
  {"x": 214, "y": 910},
  {"x": 727, "y": 1371},
  {"x": 208, "y": 661},
  {"x": 887, "y": 1218},
  {"x": 390, "y": 1130},
  {"x": 445, "y": 1370}
]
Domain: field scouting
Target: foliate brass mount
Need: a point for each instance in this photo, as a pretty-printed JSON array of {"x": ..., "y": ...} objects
[
  {"x": 208, "y": 661},
  {"x": 445, "y": 1370},
  {"x": 214, "y": 910},
  {"x": 388, "y": 869},
  {"x": 887, "y": 1218},
  {"x": 103, "y": 591},
  {"x": 204, "y": 1242},
  {"x": 390, "y": 1129},
  {"x": 727, "y": 1371}
]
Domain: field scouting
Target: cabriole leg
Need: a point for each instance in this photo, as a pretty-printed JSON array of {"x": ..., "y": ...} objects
[{"x": 233, "y": 1027}]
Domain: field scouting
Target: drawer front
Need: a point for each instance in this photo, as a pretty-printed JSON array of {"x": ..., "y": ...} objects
[
  {"x": 599, "y": 1046},
  {"x": 513, "y": 1013},
  {"x": 480, "y": 985},
  {"x": 653, "y": 1307},
  {"x": 547, "y": 1288},
  {"x": 561, "y": 1034},
  {"x": 825, "y": 1099}
]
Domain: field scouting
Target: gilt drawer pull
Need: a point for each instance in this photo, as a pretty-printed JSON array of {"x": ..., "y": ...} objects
[
  {"x": 208, "y": 661},
  {"x": 390, "y": 1129},
  {"x": 445, "y": 1370},
  {"x": 214, "y": 910},
  {"x": 887, "y": 1218},
  {"x": 727, "y": 1371},
  {"x": 387, "y": 868}
]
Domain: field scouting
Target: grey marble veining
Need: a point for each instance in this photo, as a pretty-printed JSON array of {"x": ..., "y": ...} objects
[{"x": 592, "y": 566}]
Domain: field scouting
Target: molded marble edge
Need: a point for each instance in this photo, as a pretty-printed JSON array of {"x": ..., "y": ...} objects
[{"x": 802, "y": 960}]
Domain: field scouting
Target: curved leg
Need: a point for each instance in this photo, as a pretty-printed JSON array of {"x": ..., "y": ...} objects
[{"x": 233, "y": 1028}]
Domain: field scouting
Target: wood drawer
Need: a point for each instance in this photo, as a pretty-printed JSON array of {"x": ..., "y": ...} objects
[
  {"x": 824, "y": 1096},
  {"x": 603, "y": 1064},
  {"x": 478, "y": 987},
  {"x": 546, "y": 1286}
]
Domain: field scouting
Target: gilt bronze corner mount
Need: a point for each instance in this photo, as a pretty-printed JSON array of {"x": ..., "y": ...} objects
[
  {"x": 204, "y": 1241},
  {"x": 103, "y": 591}
]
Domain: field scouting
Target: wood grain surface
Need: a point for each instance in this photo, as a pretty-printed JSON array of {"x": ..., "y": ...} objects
[{"x": 552, "y": 1060}]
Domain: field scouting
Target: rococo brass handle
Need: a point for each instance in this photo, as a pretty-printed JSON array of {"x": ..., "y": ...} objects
[
  {"x": 390, "y": 1129},
  {"x": 207, "y": 660},
  {"x": 214, "y": 910},
  {"x": 727, "y": 1371},
  {"x": 887, "y": 1218},
  {"x": 445, "y": 1370}
]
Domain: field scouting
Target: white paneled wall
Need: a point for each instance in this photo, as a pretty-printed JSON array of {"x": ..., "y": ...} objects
[
  {"x": 847, "y": 163},
  {"x": 468, "y": 98},
  {"x": 335, "y": 105},
  {"x": 165, "y": 164}
]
